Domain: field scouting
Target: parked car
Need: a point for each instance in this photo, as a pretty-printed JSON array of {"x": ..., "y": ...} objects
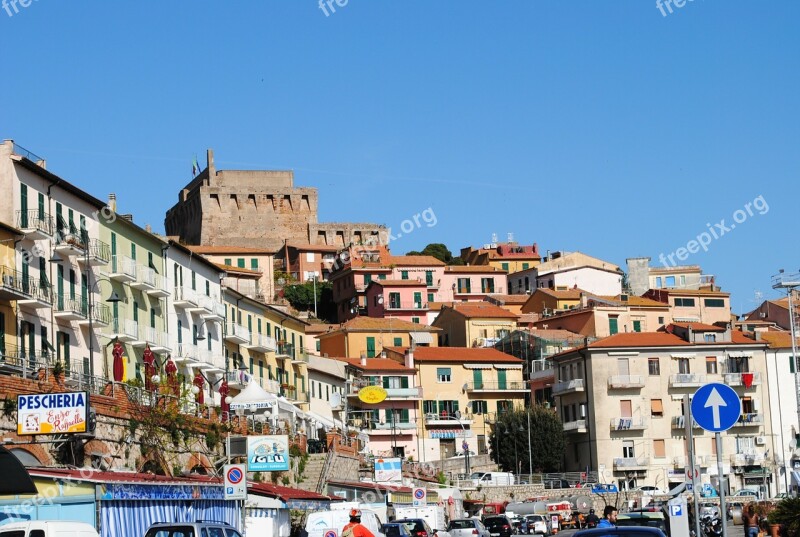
[
  {"x": 461, "y": 455},
  {"x": 467, "y": 527},
  {"x": 747, "y": 492},
  {"x": 649, "y": 519},
  {"x": 418, "y": 527},
  {"x": 599, "y": 488},
  {"x": 499, "y": 526},
  {"x": 621, "y": 531},
  {"x": 48, "y": 528},
  {"x": 536, "y": 525},
  {"x": 393, "y": 529},
  {"x": 650, "y": 490},
  {"x": 556, "y": 484},
  {"x": 187, "y": 529}
]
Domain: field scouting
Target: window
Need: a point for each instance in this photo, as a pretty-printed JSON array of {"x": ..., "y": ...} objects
[
  {"x": 194, "y": 281},
  {"x": 670, "y": 281},
  {"x": 431, "y": 298},
  {"x": 504, "y": 266},
  {"x": 477, "y": 379},
  {"x": 710, "y": 338},
  {"x": 659, "y": 450},
  {"x": 228, "y": 262},
  {"x": 443, "y": 374},
  {"x": 684, "y": 302},
  {"x": 487, "y": 285},
  {"x": 370, "y": 347},
  {"x": 658, "y": 282},
  {"x": 654, "y": 366},
  {"x": 504, "y": 406},
  {"x": 627, "y": 450},
  {"x": 683, "y": 280},
  {"x": 429, "y": 407},
  {"x": 637, "y": 326},
  {"x": 527, "y": 284},
  {"x": 463, "y": 285},
  {"x": 683, "y": 366},
  {"x": 660, "y": 320},
  {"x": 208, "y": 288},
  {"x": 711, "y": 365},
  {"x": 415, "y": 320},
  {"x": 418, "y": 301},
  {"x": 394, "y": 300},
  {"x": 525, "y": 266},
  {"x": 429, "y": 278},
  {"x": 714, "y": 303},
  {"x": 254, "y": 263},
  {"x": 479, "y": 407},
  {"x": 252, "y": 365},
  {"x": 403, "y": 274},
  {"x": 398, "y": 342},
  {"x": 613, "y": 327},
  {"x": 656, "y": 408}
]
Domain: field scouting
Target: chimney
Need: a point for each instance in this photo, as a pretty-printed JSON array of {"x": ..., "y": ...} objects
[
  {"x": 212, "y": 169},
  {"x": 410, "y": 358},
  {"x": 691, "y": 334},
  {"x": 148, "y": 228},
  {"x": 363, "y": 359},
  {"x": 112, "y": 202}
]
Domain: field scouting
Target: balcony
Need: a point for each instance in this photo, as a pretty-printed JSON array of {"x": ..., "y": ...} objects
[
  {"x": 394, "y": 393},
  {"x": 496, "y": 386},
  {"x": 750, "y": 419},
  {"x": 748, "y": 459},
  {"x": 213, "y": 309},
  {"x": 628, "y": 424},
  {"x": 161, "y": 289},
  {"x": 37, "y": 295},
  {"x": 145, "y": 279},
  {"x": 35, "y": 224},
  {"x": 186, "y": 353},
  {"x": 239, "y": 379},
  {"x": 70, "y": 309},
  {"x": 738, "y": 379},
  {"x": 207, "y": 361},
  {"x": 125, "y": 330},
  {"x": 186, "y": 298},
  {"x": 123, "y": 269},
  {"x": 401, "y": 306},
  {"x": 542, "y": 370},
  {"x": 285, "y": 350},
  {"x": 156, "y": 339},
  {"x": 569, "y": 386},
  {"x": 300, "y": 357},
  {"x": 485, "y": 291},
  {"x": 700, "y": 460},
  {"x": 578, "y": 426},
  {"x": 11, "y": 284},
  {"x": 625, "y": 382},
  {"x": 17, "y": 360},
  {"x": 97, "y": 253},
  {"x": 261, "y": 343},
  {"x": 237, "y": 334},
  {"x": 69, "y": 244},
  {"x": 388, "y": 428},
  {"x": 631, "y": 463},
  {"x": 447, "y": 418},
  {"x": 686, "y": 380},
  {"x": 679, "y": 422},
  {"x": 101, "y": 316}
]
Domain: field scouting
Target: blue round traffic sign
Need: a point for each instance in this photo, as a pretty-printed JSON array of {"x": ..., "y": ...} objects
[
  {"x": 330, "y": 533},
  {"x": 235, "y": 476},
  {"x": 716, "y": 407},
  {"x": 419, "y": 493}
]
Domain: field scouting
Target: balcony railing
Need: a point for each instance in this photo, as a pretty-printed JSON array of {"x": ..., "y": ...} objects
[
  {"x": 498, "y": 386},
  {"x": 11, "y": 283},
  {"x": 738, "y": 379},
  {"x": 748, "y": 459},
  {"x": 145, "y": 278},
  {"x": 35, "y": 221},
  {"x": 628, "y": 424},
  {"x": 406, "y": 305},
  {"x": 71, "y": 307},
  {"x": 749, "y": 419},
  {"x": 568, "y": 386},
  {"x": 679, "y": 422},
  {"x": 238, "y": 334},
  {"x": 577, "y": 426},
  {"x": 622, "y": 382},
  {"x": 285, "y": 350},
  {"x": 446, "y": 417},
  {"x": 686, "y": 380},
  {"x": 631, "y": 462},
  {"x": 19, "y": 360},
  {"x": 123, "y": 268},
  {"x": 262, "y": 343},
  {"x": 98, "y": 252},
  {"x": 38, "y": 293}
]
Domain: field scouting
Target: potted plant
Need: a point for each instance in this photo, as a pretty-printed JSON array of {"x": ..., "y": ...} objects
[{"x": 786, "y": 514}]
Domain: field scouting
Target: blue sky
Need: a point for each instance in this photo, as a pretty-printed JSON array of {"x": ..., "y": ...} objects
[{"x": 603, "y": 127}]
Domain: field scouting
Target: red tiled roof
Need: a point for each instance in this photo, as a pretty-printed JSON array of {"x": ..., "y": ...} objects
[
  {"x": 416, "y": 261},
  {"x": 700, "y": 327},
  {"x": 640, "y": 339},
  {"x": 239, "y": 270},
  {"x": 569, "y": 294},
  {"x": 377, "y": 364},
  {"x": 778, "y": 340},
  {"x": 211, "y": 250},
  {"x": 458, "y": 354},
  {"x": 508, "y": 299},
  {"x": 286, "y": 493},
  {"x": 479, "y": 310},
  {"x": 473, "y": 268},
  {"x": 375, "y": 323},
  {"x": 436, "y": 306}
]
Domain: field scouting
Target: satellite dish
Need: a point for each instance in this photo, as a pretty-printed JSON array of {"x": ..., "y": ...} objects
[{"x": 336, "y": 399}]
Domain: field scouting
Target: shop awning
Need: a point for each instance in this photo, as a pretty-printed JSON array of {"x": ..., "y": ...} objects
[
  {"x": 508, "y": 366},
  {"x": 16, "y": 479},
  {"x": 327, "y": 422},
  {"x": 477, "y": 366},
  {"x": 421, "y": 337}
]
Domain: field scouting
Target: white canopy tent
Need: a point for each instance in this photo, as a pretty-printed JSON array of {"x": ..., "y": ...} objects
[{"x": 253, "y": 399}]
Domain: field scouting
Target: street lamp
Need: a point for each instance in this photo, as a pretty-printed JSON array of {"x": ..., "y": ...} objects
[{"x": 90, "y": 286}]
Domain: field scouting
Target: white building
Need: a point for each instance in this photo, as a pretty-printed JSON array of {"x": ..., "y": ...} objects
[{"x": 568, "y": 271}]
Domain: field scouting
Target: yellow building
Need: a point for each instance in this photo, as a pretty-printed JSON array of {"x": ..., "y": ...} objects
[
  {"x": 509, "y": 256},
  {"x": 266, "y": 345},
  {"x": 464, "y": 391},
  {"x": 474, "y": 324},
  {"x": 12, "y": 288},
  {"x": 369, "y": 336},
  {"x": 545, "y": 300}
]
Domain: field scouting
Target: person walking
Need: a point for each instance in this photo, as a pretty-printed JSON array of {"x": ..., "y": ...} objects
[
  {"x": 609, "y": 519},
  {"x": 355, "y": 528},
  {"x": 750, "y": 519}
]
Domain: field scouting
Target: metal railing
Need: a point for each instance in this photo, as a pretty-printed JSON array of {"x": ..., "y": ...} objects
[
  {"x": 625, "y": 381},
  {"x": 574, "y": 425},
  {"x": 99, "y": 250},
  {"x": 11, "y": 279},
  {"x": 35, "y": 219},
  {"x": 569, "y": 385},
  {"x": 122, "y": 264},
  {"x": 749, "y": 419},
  {"x": 511, "y": 385},
  {"x": 687, "y": 379},
  {"x": 37, "y": 290},
  {"x": 632, "y": 462},
  {"x": 738, "y": 379},
  {"x": 406, "y": 305},
  {"x": 146, "y": 276},
  {"x": 264, "y": 342},
  {"x": 239, "y": 331},
  {"x": 628, "y": 424},
  {"x": 679, "y": 422},
  {"x": 77, "y": 304}
]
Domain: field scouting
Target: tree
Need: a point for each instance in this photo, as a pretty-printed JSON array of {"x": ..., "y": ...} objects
[
  {"x": 440, "y": 252},
  {"x": 546, "y": 440},
  {"x": 301, "y": 297}
]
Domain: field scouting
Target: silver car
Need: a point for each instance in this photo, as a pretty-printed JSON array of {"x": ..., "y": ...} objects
[{"x": 467, "y": 527}]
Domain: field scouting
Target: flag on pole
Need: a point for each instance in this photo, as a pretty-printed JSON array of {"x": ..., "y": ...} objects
[{"x": 195, "y": 167}]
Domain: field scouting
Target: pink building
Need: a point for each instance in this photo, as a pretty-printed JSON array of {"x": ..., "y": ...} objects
[
  {"x": 471, "y": 283},
  {"x": 391, "y": 425},
  {"x": 401, "y": 299}
]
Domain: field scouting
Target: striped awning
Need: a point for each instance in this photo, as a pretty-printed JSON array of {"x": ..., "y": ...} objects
[
  {"x": 508, "y": 366},
  {"x": 421, "y": 337},
  {"x": 477, "y": 366}
]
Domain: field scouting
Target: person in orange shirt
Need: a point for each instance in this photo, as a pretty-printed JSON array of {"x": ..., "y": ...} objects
[{"x": 355, "y": 528}]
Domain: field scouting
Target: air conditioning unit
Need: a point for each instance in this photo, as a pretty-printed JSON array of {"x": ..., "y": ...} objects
[
  {"x": 8, "y": 280},
  {"x": 761, "y": 440}
]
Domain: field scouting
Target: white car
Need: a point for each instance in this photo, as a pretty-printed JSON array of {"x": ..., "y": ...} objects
[
  {"x": 536, "y": 525},
  {"x": 461, "y": 455},
  {"x": 651, "y": 491}
]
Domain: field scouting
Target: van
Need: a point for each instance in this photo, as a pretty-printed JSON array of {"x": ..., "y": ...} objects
[
  {"x": 48, "y": 528},
  {"x": 492, "y": 478},
  {"x": 320, "y": 521}
]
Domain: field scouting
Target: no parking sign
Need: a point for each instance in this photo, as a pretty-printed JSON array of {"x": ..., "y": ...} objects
[
  {"x": 235, "y": 481},
  {"x": 420, "y": 497}
]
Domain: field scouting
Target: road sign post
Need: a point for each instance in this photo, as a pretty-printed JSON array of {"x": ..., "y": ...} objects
[
  {"x": 716, "y": 408},
  {"x": 690, "y": 468},
  {"x": 420, "y": 497}
]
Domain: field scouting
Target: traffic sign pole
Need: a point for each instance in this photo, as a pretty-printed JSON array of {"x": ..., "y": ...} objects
[
  {"x": 687, "y": 406},
  {"x": 723, "y": 512}
]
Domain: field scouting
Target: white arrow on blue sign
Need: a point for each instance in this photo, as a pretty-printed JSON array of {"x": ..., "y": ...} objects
[{"x": 716, "y": 407}]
